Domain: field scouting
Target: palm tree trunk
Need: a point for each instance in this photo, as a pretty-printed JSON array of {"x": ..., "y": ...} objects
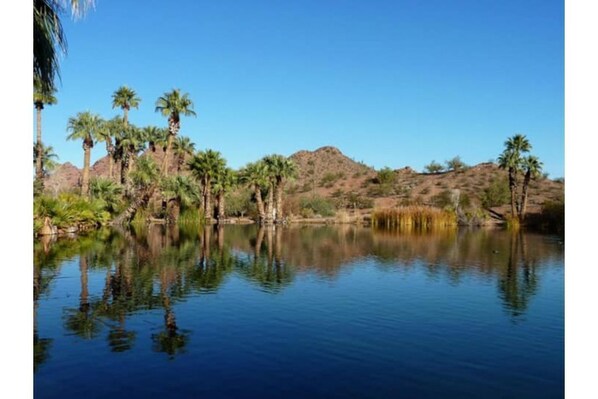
[
  {"x": 173, "y": 128},
  {"x": 260, "y": 204},
  {"x": 129, "y": 214},
  {"x": 39, "y": 172},
  {"x": 85, "y": 176},
  {"x": 270, "y": 205},
  {"x": 279, "y": 185},
  {"x": 207, "y": 201},
  {"x": 221, "y": 215},
  {"x": 166, "y": 152},
  {"x": 513, "y": 189},
  {"x": 523, "y": 206},
  {"x": 110, "y": 150}
]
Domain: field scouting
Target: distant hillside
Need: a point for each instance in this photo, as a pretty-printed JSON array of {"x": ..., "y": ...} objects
[{"x": 327, "y": 172}]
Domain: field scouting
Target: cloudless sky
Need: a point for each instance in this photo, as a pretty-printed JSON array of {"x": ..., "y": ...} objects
[{"x": 390, "y": 83}]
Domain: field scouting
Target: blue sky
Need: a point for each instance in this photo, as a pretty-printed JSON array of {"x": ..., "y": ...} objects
[{"x": 390, "y": 83}]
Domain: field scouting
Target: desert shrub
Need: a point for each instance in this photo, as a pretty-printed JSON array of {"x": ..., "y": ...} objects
[
  {"x": 328, "y": 179},
  {"x": 380, "y": 190},
  {"x": 385, "y": 176},
  {"x": 433, "y": 167},
  {"x": 338, "y": 193},
  {"x": 311, "y": 206},
  {"x": 353, "y": 200},
  {"x": 496, "y": 194},
  {"x": 425, "y": 190},
  {"x": 455, "y": 164},
  {"x": 238, "y": 203},
  {"x": 443, "y": 199}
]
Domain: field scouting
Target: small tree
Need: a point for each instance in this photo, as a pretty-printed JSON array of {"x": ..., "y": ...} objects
[
  {"x": 433, "y": 167},
  {"x": 386, "y": 176},
  {"x": 455, "y": 164}
]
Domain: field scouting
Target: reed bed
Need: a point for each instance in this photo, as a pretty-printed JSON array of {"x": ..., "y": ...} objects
[{"x": 415, "y": 217}]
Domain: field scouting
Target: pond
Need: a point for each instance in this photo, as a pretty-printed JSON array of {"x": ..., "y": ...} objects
[{"x": 299, "y": 312}]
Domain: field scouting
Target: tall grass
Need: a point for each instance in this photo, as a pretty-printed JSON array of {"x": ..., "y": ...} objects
[{"x": 413, "y": 217}]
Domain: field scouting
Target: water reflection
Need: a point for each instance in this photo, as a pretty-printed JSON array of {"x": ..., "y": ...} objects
[{"x": 157, "y": 267}]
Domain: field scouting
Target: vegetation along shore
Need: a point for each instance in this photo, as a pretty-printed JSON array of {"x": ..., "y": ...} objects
[{"x": 153, "y": 174}]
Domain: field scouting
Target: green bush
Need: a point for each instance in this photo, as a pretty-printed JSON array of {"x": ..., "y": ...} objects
[
  {"x": 496, "y": 194},
  {"x": 316, "y": 205},
  {"x": 70, "y": 210},
  {"x": 434, "y": 167}
]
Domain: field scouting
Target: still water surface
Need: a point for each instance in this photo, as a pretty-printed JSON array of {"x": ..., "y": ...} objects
[{"x": 318, "y": 312}]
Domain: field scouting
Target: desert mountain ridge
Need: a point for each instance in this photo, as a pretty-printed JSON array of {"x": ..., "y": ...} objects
[{"x": 327, "y": 172}]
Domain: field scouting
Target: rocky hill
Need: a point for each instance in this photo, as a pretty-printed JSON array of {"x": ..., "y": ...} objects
[{"x": 328, "y": 173}]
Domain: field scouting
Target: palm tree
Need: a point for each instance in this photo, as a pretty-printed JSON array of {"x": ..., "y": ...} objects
[
  {"x": 106, "y": 191},
  {"x": 104, "y": 134},
  {"x": 131, "y": 143},
  {"x": 145, "y": 179},
  {"x": 511, "y": 160},
  {"x": 225, "y": 180},
  {"x": 205, "y": 166},
  {"x": 49, "y": 39},
  {"x": 173, "y": 105},
  {"x": 114, "y": 130},
  {"x": 182, "y": 146},
  {"x": 178, "y": 191},
  {"x": 255, "y": 175},
  {"x": 280, "y": 169},
  {"x": 125, "y": 99},
  {"x": 533, "y": 169},
  {"x": 41, "y": 98},
  {"x": 85, "y": 127},
  {"x": 47, "y": 158},
  {"x": 156, "y": 137}
]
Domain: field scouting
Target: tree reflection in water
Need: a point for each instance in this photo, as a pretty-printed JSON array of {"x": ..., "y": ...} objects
[{"x": 195, "y": 260}]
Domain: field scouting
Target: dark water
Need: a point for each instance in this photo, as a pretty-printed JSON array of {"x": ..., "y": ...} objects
[{"x": 301, "y": 312}]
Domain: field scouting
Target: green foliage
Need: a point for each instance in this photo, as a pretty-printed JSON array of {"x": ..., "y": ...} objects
[
  {"x": 316, "y": 205},
  {"x": 238, "y": 203},
  {"x": 433, "y": 167},
  {"x": 352, "y": 200},
  {"x": 108, "y": 193},
  {"x": 70, "y": 210},
  {"x": 455, "y": 164},
  {"x": 386, "y": 176},
  {"x": 496, "y": 194}
]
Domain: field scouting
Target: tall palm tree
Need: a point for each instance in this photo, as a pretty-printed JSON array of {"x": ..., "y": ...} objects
[
  {"x": 223, "y": 183},
  {"x": 131, "y": 143},
  {"x": 40, "y": 98},
  {"x": 49, "y": 40},
  {"x": 104, "y": 134},
  {"x": 280, "y": 169},
  {"x": 172, "y": 105},
  {"x": 183, "y": 146},
  {"x": 155, "y": 136},
  {"x": 85, "y": 127},
  {"x": 112, "y": 135},
  {"x": 205, "y": 166},
  {"x": 255, "y": 175},
  {"x": 125, "y": 98},
  {"x": 511, "y": 160},
  {"x": 178, "y": 191},
  {"x": 145, "y": 180},
  {"x": 47, "y": 158},
  {"x": 533, "y": 168}
]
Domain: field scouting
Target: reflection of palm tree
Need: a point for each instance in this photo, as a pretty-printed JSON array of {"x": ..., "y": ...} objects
[
  {"x": 170, "y": 340},
  {"x": 516, "y": 289},
  {"x": 83, "y": 321}
]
